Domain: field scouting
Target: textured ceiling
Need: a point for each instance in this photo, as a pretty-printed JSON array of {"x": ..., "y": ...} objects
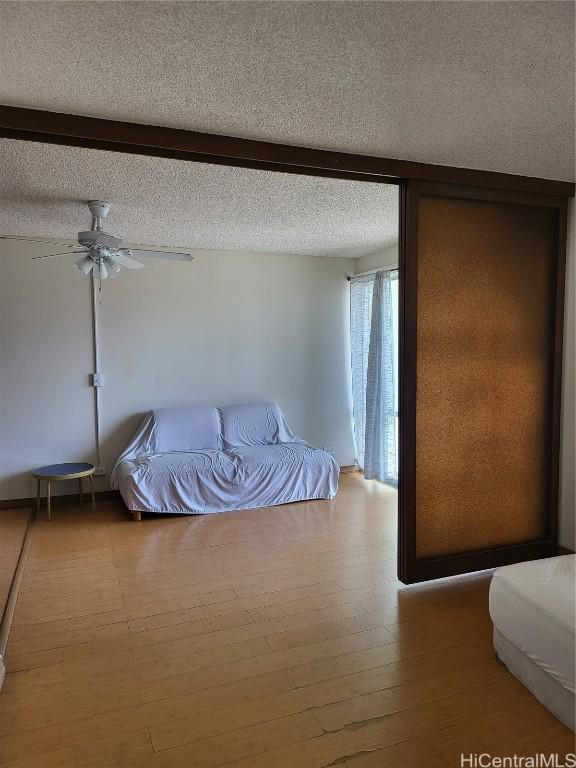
[
  {"x": 156, "y": 201},
  {"x": 478, "y": 84}
]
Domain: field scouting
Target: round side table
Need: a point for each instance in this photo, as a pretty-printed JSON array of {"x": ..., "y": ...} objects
[{"x": 63, "y": 472}]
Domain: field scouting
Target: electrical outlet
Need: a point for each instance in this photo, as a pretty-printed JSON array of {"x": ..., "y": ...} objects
[
  {"x": 329, "y": 449},
  {"x": 100, "y": 471}
]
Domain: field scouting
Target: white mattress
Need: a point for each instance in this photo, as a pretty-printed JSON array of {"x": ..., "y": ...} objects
[{"x": 533, "y": 605}]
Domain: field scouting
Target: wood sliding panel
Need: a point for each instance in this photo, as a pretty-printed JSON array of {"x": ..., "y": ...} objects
[
  {"x": 482, "y": 331},
  {"x": 484, "y": 339}
]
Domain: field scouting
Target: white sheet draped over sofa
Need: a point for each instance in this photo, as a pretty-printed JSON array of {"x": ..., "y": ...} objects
[{"x": 203, "y": 460}]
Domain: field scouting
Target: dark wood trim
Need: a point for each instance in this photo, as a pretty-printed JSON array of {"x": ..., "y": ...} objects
[
  {"x": 160, "y": 141},
  {"x": 407, "y": 316},
  {"x": 512, "y": 197},
  {"x": 557, "y": 355},
  {"x": 65, "y": 498},
  {"x": 425, "y": 570},
  {"x": 565, "y": 551},
  {"x": 8, "y": 614},
  {"x": 410, "y": 569}
]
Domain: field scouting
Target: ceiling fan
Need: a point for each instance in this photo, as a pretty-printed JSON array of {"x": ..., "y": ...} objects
[{"x": 102, "y": 255}]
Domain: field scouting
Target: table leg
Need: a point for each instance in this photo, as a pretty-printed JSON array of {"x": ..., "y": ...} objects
[
  {"x": 37, "y": 494},
  {"x": 92, "y": 492},
  {"x": 48, "y": 505},
  {"x": 80, "y": 490}
]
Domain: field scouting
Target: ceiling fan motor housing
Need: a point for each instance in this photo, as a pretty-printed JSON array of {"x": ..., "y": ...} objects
[{"x": 97, "y": 237}]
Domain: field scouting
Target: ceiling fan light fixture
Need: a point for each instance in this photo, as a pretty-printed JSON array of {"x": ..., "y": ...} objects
[
  {"x": 85, "y": 265},
  {"x": 112, "y": 267},
  {"x": 100, "y": 271}
]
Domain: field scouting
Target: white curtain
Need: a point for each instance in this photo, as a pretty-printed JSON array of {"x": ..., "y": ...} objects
[{"x": 374, "y": 332}]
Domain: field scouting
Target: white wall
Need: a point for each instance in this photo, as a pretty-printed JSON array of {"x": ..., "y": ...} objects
[
  {"x": 229, "y": 327},
  {"x": 387, "y": 258},
  {"x": 568, "y": 455}
]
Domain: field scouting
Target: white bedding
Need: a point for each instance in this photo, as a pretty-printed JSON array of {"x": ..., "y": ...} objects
[{"x": 533, "y": 605}]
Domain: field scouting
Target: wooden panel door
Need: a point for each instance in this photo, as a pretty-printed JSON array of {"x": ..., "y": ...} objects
[{"x": 482, "y": 285}]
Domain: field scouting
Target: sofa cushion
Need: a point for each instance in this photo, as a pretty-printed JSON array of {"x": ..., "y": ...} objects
[
  {"x": 281, "y": 453},
  {"x": 194, "y": 428},
  {"x": 255, "y": 424}
]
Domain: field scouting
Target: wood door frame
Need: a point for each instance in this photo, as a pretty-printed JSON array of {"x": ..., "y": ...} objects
[
  {"x": 158, "y": 141},
  {"x": 411, "y": 569}
]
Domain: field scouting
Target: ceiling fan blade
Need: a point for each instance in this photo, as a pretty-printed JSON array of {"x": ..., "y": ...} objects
[
  {"x": 124, "y": 258},
  {"x": 38, "y": 240},
  {"x": 162, "y": 254},
  {"x": 55, "y": 255}
]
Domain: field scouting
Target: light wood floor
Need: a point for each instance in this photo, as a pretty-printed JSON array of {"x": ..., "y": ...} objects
[{"x": 274, "y": 638}]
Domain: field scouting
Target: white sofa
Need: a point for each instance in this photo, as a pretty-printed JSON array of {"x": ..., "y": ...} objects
[{"x": 200, "y": 460}]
